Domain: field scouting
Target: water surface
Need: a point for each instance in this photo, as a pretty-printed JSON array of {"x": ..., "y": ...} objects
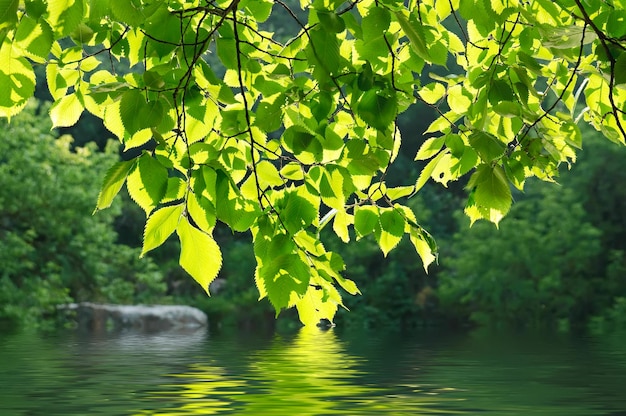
[{"x": 311, "y": 372}]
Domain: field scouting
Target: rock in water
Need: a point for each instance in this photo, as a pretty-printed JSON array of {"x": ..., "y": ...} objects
[{"x": 99, "y": 317}]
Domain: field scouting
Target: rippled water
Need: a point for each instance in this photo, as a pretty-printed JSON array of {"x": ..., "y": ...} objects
[{"x": 311, "y": 372}]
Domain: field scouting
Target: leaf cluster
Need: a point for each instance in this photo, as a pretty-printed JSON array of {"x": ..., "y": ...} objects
[{"x": 295, "y": 134}]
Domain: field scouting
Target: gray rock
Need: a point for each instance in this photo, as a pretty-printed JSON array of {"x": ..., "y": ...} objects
[{"x": 101, "y": 317}]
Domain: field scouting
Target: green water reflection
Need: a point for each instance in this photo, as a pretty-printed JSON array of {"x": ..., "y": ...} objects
[
  {"x": 309, "y": 374},
  {"x": 312, "y": 372}
]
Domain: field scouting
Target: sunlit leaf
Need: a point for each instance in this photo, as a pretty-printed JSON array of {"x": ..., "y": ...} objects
[
  {"x": 66, "y": 111},
  {"x": 35, "y": 37},
  {"x": 430, "y": 148},
  {"x": 65, "y": 15},
  {"x": 378, "y": 108},
  {"x": 160, "y": 225},
  {"x": 365, "y": 220},
  {"x": 487, "y": 146},
  {"x": 422, "y": 247},
  {"x": 17, "y": 81},
  {"x": 200, "y": 255},
  {"x": 113, "y": 181},
  {"x": 137, "y": 114},
  {"x": 491, "y": 192},
  {"x": 391, "y": 230}
]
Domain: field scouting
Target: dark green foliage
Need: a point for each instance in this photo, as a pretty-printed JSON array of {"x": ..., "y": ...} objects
[
  {"x": 557, "y": 259},
  {"x": 52, "y": 250}
]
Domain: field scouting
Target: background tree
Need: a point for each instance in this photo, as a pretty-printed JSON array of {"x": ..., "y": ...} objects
[
  {"x": 51, "y": 250},
  {"x": 299, "y": 133},
  {"x": 557, "y": 260}
]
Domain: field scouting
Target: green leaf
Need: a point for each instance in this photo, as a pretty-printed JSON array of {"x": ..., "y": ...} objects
[
  {"x": 323, "y": 50},
  {"x": 423, "y": 248},
  {"x": 292, "y": 171},
  {"x": 500, "y": 90},
  {"x": 365, "y": 220},
  {"x": 200, "y": 256},
  {"x": 66, "y": 111},
  {"x": 375, "y": 23},
  {"x": 153, "y": 80},
  {"x": 147, "y": 182},
  {"x": 137, "y": 114},
  {"x": 616, "y": 23},
  {"x": 399, "y": 192},
  {"x": 113, "y": 181},
  {"x": 620, "y": 69},
  {"x": 268, "y": 175},
  {"x": 99, "y": 9},
  {"x": 154, "y": 177},
  {"x": 17, "y": 81},
  {"x": 508, "y": 109},
  {"x": 340, "y": 225},
  {"x": 491, "y": 195},
  {"x": 159, "y": 23},
  {"x": 65, "y": 15},
  {"x": 455, "y": 143},
  {"x": 413, "y": 30},
  {"x": 347, "y": 284},
  {"x": 430, "y": 148},
  {"x": 392, "y": 226},
  {"x": 428, "y": 171},
  {"x": 260, "y": 10},
  {"x": 488, "y": 147},
  {"x": 331, "y": 21},
  {"x": 285, "y": 279},
  {"x": 365, "y": 81},
  {"x": 133, "y": 12},
  {"x": 8, "y": 13},
  {"x": 433, "y": 92},
  {"x": 515, "y": 172},
  {"x": 35, "y": 37},
  {"x": 227, "y": 52},
  {"x": 298, "y": 212},
  {"x": 378, "y": 108},
  {"x": 202, "y": 212},
  {"x": 160, "y": 225},
  {"x": 331, "y": 189},
  {"x": 269, "y": 115},
  {"x": 314, "y": 306},
  {"x": 303, "y": 144}
]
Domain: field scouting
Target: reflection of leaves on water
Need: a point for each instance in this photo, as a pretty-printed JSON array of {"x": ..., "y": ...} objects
[
  {"x": 203, "y": 389},
  {"x": 310, "y": 373}
]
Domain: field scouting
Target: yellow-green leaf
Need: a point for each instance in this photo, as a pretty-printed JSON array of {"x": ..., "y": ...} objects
[
  {"x": 17, "y": 81},
  {"x": 428, "y": 170},
  {"x": 113, "y": 181},
  {"x": 414, "y": 33},
  {"x": 312, "y": 307},
  {"x": 65, "y": 15},
  {"x": 422, "y": 247},
  {"x": 200, "y": 255},
  {"x": 66, "y": 111},
  {"x": 340, "y": 225},
  {"x": 430, "y": 147},
  {"x": 35, "y": 37},
  {"x": 160, "y": 225}
]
